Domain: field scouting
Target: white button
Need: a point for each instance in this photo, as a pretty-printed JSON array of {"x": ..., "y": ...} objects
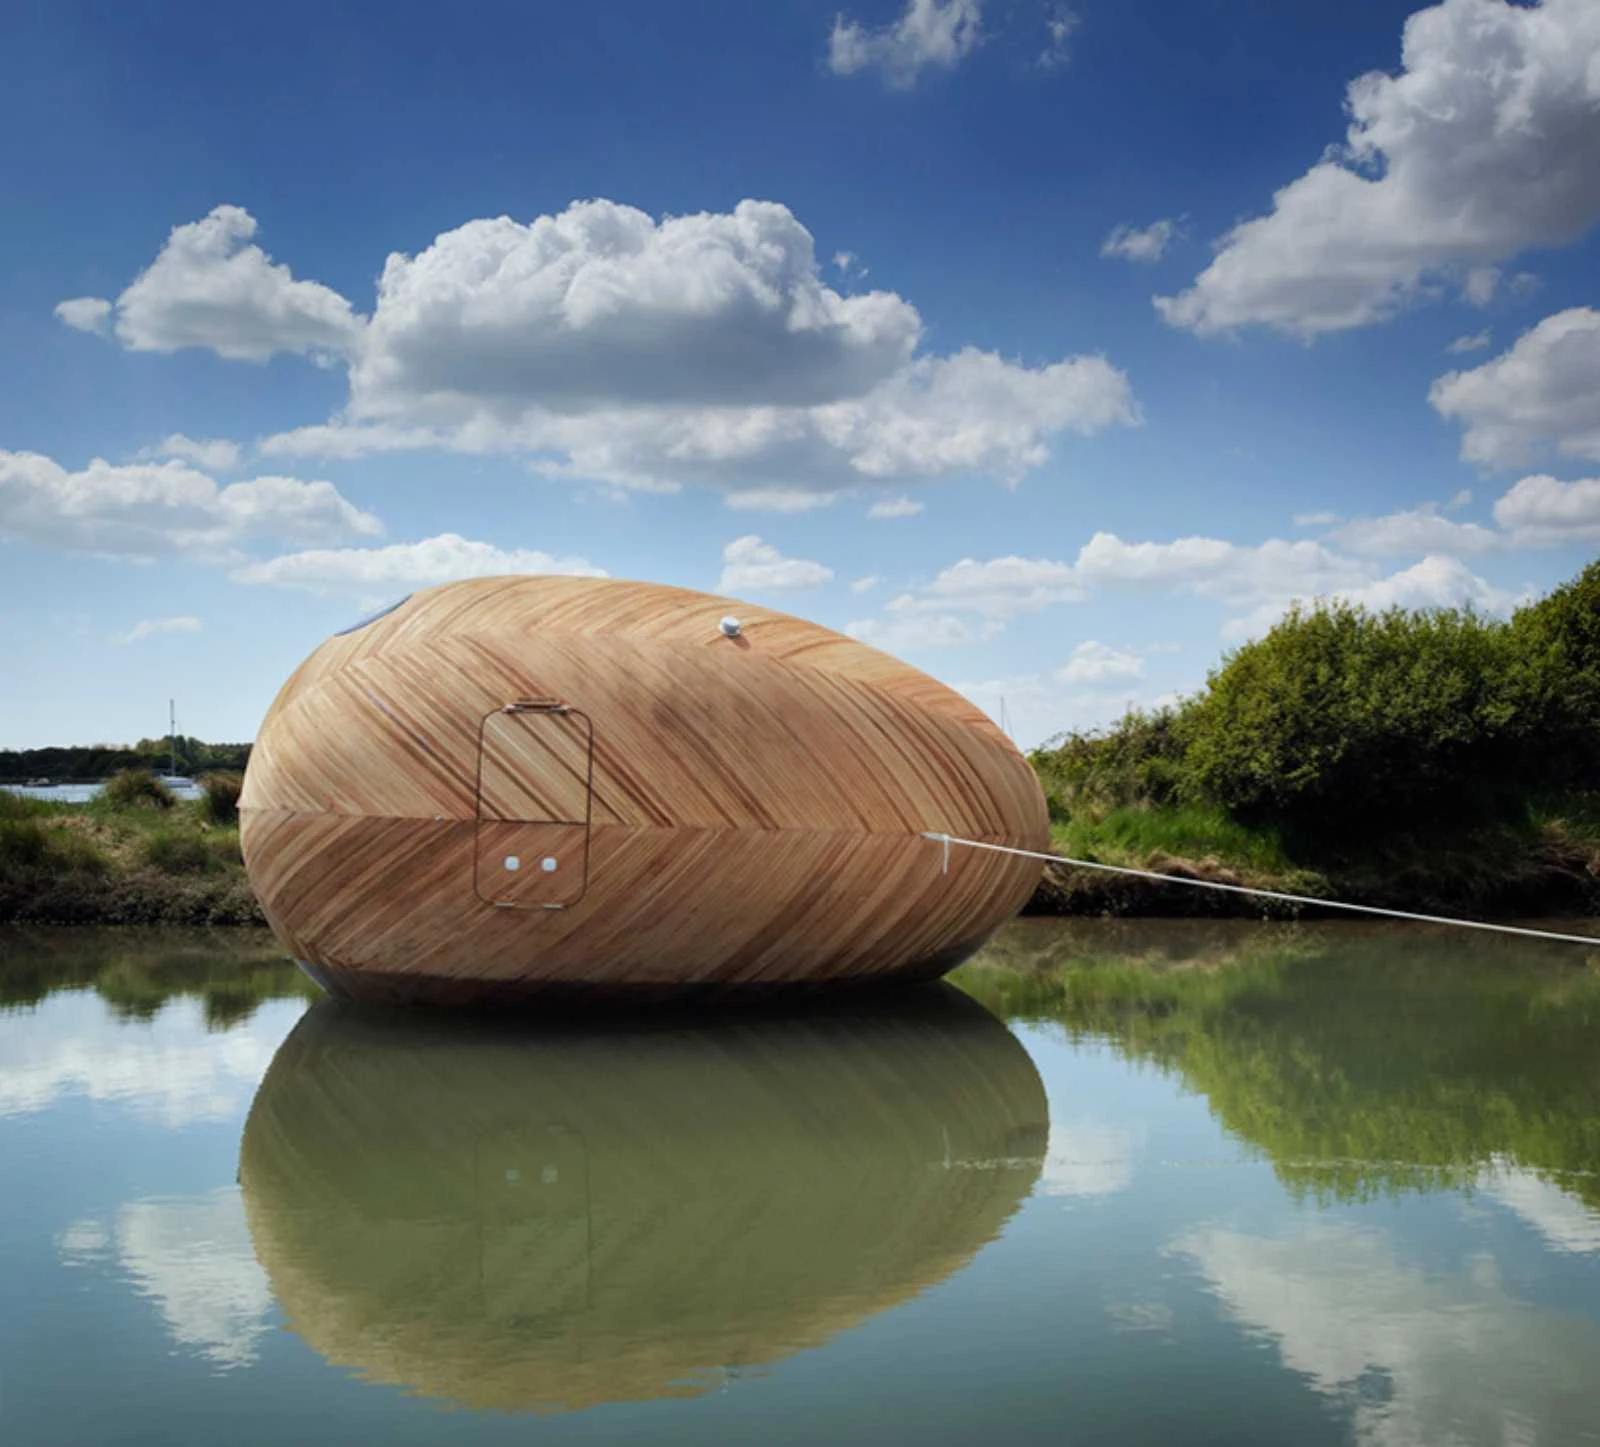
[
  {"x": 513, "y": 863},
  {"x": 548, "y": 865}
]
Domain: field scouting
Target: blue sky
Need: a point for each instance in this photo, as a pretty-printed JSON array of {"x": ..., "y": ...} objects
[{"x": 1054, "y": 347}]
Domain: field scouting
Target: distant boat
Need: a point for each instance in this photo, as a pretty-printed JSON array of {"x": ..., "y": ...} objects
[
  {"x": 172, "y": 778},
  {"x": 37, "y": 784}
]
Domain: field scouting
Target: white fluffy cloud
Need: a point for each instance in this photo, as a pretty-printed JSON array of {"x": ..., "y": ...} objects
[
  {"x": 1093, "y": 662},
  {"x": 1255, "y": 584},
  {"x": 148, "y": 510},
  {"x": 151, "y": 627},
  {"x": 1135, "y": 243},
  {"x": 213, "y": 454},
  {"x": 1544, "y": 392},
  {"x": 703, "y": 349},
  {"x": 1474, "y": 342},
  {"x": 85, "y": 314},
  {"x": 1422, "y": 529},
  {"x": 1038, "y": 706},
  {"x": 1542, "y": 512},
  {"x": 402, "y": 567},
  {"x": 939, "y": 33},
  {"x": 603, "y": 306},
  {"x": 777, "y": 499},
  {"x": 211, "y": 287},
  {"x": 999, "y": 588},
  {"x": 1485, "y": 144},
  {"x": 905, "y": 631},
  {"x": 752, "y": 566},
  {"x": 894, "y": 507}
]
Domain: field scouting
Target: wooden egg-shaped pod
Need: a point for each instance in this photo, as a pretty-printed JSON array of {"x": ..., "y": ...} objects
[
  {"x": 543, "y": 785},
  {"x": 523, "y": 1220}
]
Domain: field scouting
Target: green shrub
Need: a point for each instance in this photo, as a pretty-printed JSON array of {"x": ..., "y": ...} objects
[
  {"x": 137, "y": 788},
  {"x": 24, "y": 844},
  {"x": 1137, "y": 762},
  {"x": 1555, "y": 645},
  {"x": 178, "y": 851},
  {"x": 30, "y": 844},
  {"x": 1343, "y": 720},
  {"x": 220, "y": 802}
]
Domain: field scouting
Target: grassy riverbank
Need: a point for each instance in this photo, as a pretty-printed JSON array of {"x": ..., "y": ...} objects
[
  {"x": 1437, "y": 760},
  {"x": 133, "y": 855},
  {"x": 1547, "y": 863}
]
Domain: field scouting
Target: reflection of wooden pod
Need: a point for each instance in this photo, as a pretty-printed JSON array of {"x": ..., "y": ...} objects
[
  {"x": 522, "y": 785},
  {"x": 553, "y": 1220}
]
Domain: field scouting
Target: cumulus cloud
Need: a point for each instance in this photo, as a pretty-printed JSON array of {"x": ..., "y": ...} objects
[
  {"x": 1038, "y": 706},
  {"x": 1538, "y": 395},
  {"x": 905, "y": 631},
  {"x": 86, "y": 314},
  {"x": 605, "y": 346},
  {"x": 1415, "y": 530},
  {"x": 1093, "y": 662},
  {"x": 603, "y": 305},
  {"x": 1485, "y": 144},
  {"x": 213, "y": 454},
  {"x": 999, "y": 588},
  {"x": 1132, "y": 243},
  {"x": 777, "y": 499},
  {"x": 752, "y": 566},
  {"x": 403, "y": 567},
  {"x": 866, "y": 584},
  {"x": 894, "y": 507},
  {"x": 150, "y": 627},
  {"x": 1542, "y": 512},
  {"x": 149, "y": 510},
  {"x": 1315, "y": 519},
  {"x": 1255, "y": 583},
  {"x": 211, "y": 287},
  {"x": 937, "y": 33},
  {"x": 1473, "y": 342}
]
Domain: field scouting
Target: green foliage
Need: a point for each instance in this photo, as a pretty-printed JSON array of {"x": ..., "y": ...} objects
[
  {"x": 1345, "y": 725},
  {"x": 34, "y": 845},
  {"x": 1190, "y": 831},
  {"x": 137, "y": 788},
  {"x": 101, "y": 761},
  {"x": 1556, "y": 646},
  {"x": 186, "y": 851},
  {"x": 220, "y": 802},
  {"x": 1139, "y": 761},
  {"x": 1340, "y": 719}
]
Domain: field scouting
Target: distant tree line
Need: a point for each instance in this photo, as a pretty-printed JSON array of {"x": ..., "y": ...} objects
[
  {"x": 1347, "y": 723},
  {"x": 100, "y": 761}
]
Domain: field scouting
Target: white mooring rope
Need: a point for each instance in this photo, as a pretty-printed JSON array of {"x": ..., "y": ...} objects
[{"x": 1508, "y": 929}]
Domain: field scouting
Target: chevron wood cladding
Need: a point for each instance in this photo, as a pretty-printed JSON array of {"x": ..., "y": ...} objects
[{"x": 731, "y": 812}]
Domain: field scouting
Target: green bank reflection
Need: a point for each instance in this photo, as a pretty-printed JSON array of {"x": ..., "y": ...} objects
[
  {"x": 138, "y": 971},
  {"x": 1361, "y": 1060},
  {"x": 545, "y": 1219}
]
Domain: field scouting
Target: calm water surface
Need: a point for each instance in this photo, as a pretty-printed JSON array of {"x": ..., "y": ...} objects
[{"x": 1159, "y": 1183}]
